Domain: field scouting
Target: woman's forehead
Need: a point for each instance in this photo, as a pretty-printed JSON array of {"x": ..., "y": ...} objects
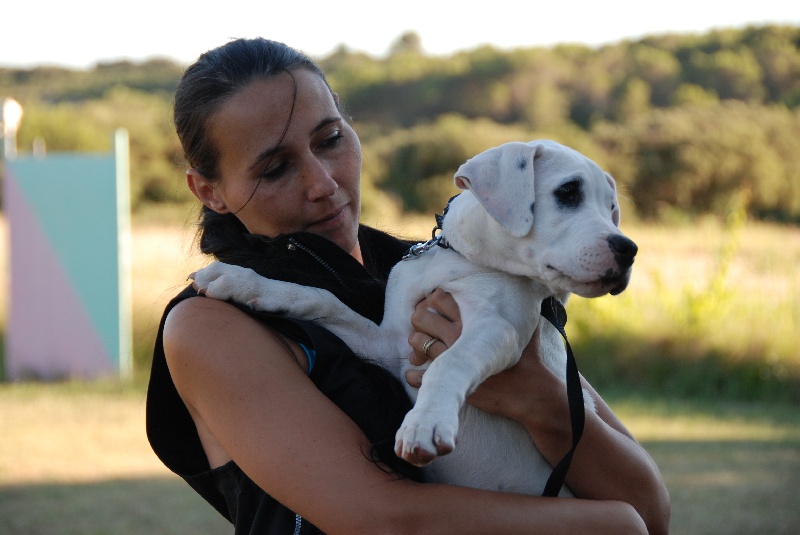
[
  {"x": 269, "y": 101},
  {"x": 264, "y": 112}
]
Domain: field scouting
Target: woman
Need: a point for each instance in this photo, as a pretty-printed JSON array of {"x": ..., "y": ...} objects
[{"x": 273, "y": 420}]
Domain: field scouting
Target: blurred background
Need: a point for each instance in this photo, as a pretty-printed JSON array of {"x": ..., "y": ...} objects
[{"x": 696, "y": 114}]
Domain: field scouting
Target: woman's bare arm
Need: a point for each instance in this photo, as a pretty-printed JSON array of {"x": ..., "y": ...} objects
[{"x": 243, "y": 384}]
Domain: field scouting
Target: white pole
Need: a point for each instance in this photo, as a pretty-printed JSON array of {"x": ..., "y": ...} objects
[{"x": 11, "y": 117}]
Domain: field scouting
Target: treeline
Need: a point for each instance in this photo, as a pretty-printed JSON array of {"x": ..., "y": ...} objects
[{"x": 686, "y": 123}]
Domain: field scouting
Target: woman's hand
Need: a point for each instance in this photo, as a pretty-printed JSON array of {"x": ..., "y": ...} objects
[{"x": 437, "y": 325}]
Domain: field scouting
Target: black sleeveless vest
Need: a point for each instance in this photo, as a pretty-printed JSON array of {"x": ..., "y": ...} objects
[{"x": 365, "y": 392}]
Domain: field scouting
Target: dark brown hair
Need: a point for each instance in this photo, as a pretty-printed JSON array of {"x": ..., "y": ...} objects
[{"x": 216, "y": 76}]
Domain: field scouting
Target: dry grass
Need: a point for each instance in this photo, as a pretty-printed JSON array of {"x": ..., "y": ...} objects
[
  {"x": 163, "y": 257},
  {"x": 74, "y": 460}
]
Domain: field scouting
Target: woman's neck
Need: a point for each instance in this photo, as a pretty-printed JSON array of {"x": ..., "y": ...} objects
[{"x": 356, "y": 253}]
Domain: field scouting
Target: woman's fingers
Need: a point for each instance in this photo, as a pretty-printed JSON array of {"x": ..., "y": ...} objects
[
  {"x": 414, "y": 377},
  {"x": 425, "y": 348},
  {"x": 437, "y": 325},
  {"x": 443, "y": 303}
]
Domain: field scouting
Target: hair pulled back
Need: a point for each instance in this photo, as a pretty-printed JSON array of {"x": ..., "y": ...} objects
[{"x": 216, "y": 76}]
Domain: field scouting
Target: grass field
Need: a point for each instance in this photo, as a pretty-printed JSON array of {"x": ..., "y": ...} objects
[
  {"x": 74, "y": 461},
  {"x": 699, "y": 357}
]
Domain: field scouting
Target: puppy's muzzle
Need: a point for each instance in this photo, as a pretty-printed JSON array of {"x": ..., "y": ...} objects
[{"x": 624, "y": 250}]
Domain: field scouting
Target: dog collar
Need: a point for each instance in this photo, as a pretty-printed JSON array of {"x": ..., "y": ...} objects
[
  {"x": 422, "y": 247},
  {"x": 436, "y": 239}
]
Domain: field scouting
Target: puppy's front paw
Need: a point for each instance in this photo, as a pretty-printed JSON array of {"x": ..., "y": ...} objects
[
  {"x": 227, "y": 282},
  {"x": 425, "y": 435}
]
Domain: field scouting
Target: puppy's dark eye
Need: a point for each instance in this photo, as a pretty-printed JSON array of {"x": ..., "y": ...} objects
[{"x": 569, "y": 194}]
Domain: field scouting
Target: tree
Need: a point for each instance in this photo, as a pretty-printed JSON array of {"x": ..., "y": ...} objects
[
  {"x": 731, "y": 73},
  {"x": 660, "y": 69},
  {"x": 634, "y": 100},
  {"x": 699, "y": 159},
  {"x": 408, "y": 43}
]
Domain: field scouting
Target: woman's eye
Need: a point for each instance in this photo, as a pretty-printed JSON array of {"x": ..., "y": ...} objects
[
  {"x": 332, "y": 140},
  {"x": 275, "y": 170}
]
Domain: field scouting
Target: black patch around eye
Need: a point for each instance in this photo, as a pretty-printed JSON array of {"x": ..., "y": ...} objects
[
  {"x": 522, "y": 163},
  {"x": 569, "y": 194}
]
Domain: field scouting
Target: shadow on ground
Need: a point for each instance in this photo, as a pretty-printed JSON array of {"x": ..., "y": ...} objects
[
  {"x": 732, "y": 487},
  {"x": 118, "y": 507}
]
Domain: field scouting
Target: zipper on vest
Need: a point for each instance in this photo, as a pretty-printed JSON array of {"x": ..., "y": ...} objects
[{"x": 294, "y": 243}]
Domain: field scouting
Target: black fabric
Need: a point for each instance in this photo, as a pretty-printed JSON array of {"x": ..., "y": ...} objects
[
  {"x": 554, "y": 312},
  {"x": 367, "y": 393}
]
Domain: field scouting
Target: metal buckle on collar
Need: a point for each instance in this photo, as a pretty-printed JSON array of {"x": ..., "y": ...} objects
[
  {"x": 422, "y": 247},
  {"x": 418, "y": 249}
]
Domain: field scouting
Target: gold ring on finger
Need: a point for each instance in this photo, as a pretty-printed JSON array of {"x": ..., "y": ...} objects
[{"x": 427, "y": 345}]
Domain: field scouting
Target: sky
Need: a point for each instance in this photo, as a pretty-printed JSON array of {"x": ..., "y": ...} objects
[{"x": 81, "y": 33}]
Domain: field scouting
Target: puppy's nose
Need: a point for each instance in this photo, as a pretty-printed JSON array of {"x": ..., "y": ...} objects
[{"x": 624, "y": 250}]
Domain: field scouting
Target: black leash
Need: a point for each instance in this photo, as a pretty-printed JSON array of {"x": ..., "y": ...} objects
[{"x": 554, "y": 312}]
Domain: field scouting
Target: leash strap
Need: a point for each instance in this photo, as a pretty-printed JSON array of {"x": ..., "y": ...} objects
[{"x": 555, "y": 313}]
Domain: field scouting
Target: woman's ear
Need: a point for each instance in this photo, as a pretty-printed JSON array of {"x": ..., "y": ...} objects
[{"x": 205, "y": 191}]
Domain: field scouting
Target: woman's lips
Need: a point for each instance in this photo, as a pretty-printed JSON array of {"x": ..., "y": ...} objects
[{"x": 328, "y": 220}]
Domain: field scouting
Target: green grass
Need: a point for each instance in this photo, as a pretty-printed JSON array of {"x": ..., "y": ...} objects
[
  {"x": 74, "y": 460},
  {"x": 730, "y": 467},
  {"x": 711, "y": 310}
]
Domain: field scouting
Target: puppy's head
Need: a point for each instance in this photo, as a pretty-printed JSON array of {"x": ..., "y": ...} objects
[{"x": 556, "y": 215}]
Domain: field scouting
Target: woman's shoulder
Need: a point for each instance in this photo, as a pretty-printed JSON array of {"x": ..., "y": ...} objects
[
  {"x": 203, "y": 335},
  {"x": 198, "y": 315}
]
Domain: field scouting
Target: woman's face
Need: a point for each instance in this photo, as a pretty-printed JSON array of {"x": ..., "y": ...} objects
[{"x": 306, "y": 179}]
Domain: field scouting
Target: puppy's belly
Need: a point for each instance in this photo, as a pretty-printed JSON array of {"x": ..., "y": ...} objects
[{"x": 492, "y": 453}]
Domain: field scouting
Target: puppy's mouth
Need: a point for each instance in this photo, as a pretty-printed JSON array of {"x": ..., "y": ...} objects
[
  {"x": 616, "y": 282},
  {"x": 611, "y": 282}
]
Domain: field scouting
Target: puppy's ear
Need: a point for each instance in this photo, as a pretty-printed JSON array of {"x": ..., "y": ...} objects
[{"x": 501, "y": 179}]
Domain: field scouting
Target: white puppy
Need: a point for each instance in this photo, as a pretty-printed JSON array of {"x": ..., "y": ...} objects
[{"x": 535, "y": 220}]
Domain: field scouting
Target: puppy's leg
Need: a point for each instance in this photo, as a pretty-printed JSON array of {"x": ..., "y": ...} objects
[
  {"x": 242, "y": 285},
  {"x": 488, "y": 344}
]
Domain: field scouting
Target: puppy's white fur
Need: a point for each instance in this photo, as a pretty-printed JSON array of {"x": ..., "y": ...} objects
[{"x": 535, "y": 220}]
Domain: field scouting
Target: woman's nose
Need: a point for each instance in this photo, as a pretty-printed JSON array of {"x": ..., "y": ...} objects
[{"x": 318, "y": 180}]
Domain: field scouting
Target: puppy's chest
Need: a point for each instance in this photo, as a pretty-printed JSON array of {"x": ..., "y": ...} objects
[
  {"x": 436, "y": 268},
  {"x": 554, "y": 352}
]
